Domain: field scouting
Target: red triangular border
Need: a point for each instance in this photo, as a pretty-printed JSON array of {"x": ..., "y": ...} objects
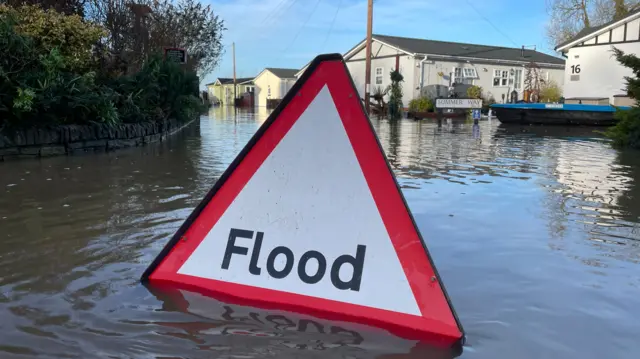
[{"x": 439, "y": 323}]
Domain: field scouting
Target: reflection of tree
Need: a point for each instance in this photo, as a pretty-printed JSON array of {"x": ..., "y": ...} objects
[{"x": 628, "y": 167}]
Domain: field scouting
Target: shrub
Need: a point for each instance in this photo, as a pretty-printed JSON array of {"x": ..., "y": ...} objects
[
  {"x": 550, "y": 92},
  {"x": 626, "y": 132},
  {"x": 474, "y": 92},
  {"x": 69, "y": 34},
  {"x": 421, "y": 104},
  {"x": 395, "y": 94},
  {"x": 38, "y": 88}
]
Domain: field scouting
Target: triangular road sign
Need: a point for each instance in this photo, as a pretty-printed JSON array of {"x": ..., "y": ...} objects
[{"x": 309, "y": 217}]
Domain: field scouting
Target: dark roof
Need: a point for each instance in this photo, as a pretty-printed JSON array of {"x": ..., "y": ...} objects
[
  {"x": 590, "y": 30},
  {"x": 433, "y": 47},
  {"x": 226, "y": 81},
  {"x": 283, "y": 73}
]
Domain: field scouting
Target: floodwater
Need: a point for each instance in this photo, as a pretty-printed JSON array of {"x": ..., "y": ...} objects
[{"x": 535, "y": 232}]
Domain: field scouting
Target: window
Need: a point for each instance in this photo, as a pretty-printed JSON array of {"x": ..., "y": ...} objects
[
  {"x": 518, "y": 79},
  {"x": 379, "y": 75},
  {"x": 469, "y": 73},
  {"x": 500, "y": 77},
  {"x": 248, "y": 88},
  {"x": 464, "y": 75}
]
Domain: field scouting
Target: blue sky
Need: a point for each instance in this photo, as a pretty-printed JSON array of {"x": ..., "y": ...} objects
[{"x": 289, "y": 33}]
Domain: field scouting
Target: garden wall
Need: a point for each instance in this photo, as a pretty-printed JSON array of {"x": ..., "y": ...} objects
[{"x": 70, "y": 139}]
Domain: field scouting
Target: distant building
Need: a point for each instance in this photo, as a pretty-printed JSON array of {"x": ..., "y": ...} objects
[
  {"x": 273, "y": 83},
  {"x": 592, "y": 73},
  {"x": 221, "y": 91},
  {"x": 433, "y": 67}
]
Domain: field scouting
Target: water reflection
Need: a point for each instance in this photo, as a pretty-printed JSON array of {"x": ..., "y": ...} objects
[
  {"x": 533, "y": 229},
  {"x": 252, "y": 332}
]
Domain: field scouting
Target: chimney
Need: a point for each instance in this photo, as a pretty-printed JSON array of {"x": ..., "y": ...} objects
[{"x": 522, "y": 52}]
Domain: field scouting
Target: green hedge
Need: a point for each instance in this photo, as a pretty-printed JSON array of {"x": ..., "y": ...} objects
[{"x": 42, "y": 83}]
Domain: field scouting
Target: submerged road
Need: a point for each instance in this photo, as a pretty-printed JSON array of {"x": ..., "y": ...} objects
[{"x": 535, "y": 233}]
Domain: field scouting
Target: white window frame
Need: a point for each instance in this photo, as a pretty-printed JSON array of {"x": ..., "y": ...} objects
[
  {"x": 249, "y": 88},
  {"x": 502, "y": 75},
  {"x": 379, "y": 75},
  {"x": 469, "y": 73},
  {"x": 463, "y": 75},
  {"x": 518, "y": 85}
]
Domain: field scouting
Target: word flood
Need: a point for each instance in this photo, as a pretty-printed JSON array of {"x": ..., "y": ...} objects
[{"x": 356, "y": 262}]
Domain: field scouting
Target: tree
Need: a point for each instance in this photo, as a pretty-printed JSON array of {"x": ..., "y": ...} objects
[
  {"x": 626, "y": 133},
  {"x": 174, "y": 23},
  {"x": 532, "y": 81},
  {"x": 550, "y": 92},
  {"x": 568, "y": 17}
]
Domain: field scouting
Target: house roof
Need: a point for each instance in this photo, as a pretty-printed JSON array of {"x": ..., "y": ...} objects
[
  {"x": 229, "y": 81},
  {"x": 586, "y": 32},
  {"x": 447, "y": 48},
  {"x": 283, "y": 73}
]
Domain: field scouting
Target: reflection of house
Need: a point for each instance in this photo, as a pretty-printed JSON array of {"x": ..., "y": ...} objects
[
  {"x": 221, "y": 91},
  {"x": 430, "y": 66},
  {"x": 591, "y": 69},
  {"x": 273, "y": 83}
]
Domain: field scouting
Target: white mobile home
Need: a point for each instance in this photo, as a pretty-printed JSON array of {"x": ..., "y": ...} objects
[
  {"x": 430, "y": 66},
  {"x": 273, "y": 83},
  {"x": 592, "y": 72}
]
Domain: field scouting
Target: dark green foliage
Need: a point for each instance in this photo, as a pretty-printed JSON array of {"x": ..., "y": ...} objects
[
  {"x": 626, "y": 133},
  {"x": 632, "y": 62},
  {"x": 395, "y": 94},
  {"x": 39, "y": 88},
  {"x": 421, "y": 104}
]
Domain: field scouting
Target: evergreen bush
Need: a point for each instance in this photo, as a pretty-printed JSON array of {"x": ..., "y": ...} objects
[{"x": 626, "y": 132}]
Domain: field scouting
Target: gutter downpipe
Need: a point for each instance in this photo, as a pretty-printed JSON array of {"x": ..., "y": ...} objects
[{"x": 422, "y": 74}]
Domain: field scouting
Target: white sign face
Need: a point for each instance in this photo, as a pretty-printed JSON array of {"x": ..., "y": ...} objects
[
  {"x": 306, "y": 223},
  {"x": 458, "y": 103}
]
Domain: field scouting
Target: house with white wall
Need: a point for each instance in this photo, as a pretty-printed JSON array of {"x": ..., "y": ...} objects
[
  {"x": 221, "y": 90},
  {"x": 431, "y": 67},
  {"x": 273, "y": 83},
  {"x": 592, "y": 73}
]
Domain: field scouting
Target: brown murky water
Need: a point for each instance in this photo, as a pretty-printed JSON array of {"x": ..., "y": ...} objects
[{"x": 535, "y": 232}]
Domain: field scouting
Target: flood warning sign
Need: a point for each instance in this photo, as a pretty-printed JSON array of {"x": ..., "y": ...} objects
[{"x": 309, "y": 217}]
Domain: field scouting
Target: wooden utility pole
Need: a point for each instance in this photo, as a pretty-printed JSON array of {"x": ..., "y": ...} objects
[
  {"x": 367, "y": 76},
  {"x": 234, "y": 74}
]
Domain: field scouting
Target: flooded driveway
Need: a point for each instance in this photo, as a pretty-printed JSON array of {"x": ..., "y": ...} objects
[{"x": 534, "y": 232}]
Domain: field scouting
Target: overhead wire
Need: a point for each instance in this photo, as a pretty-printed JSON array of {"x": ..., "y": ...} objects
[
  {"x": 331, "y": 26},
  {"x": 256, "y": 26},
  {"x": 490, "y": 23},
  {"x": 299, "y": 30}
]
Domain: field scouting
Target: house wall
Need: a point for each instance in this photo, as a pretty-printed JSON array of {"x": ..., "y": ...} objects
[
  {"x": 412, "y": 71},
  {"x": 211, "y": 89},
  {"x": 383, "y": 57},
  {"x": 278, "y": 87},
  {"x": 265, "y": 80},
  {"x": 600, "y": 74},
  {"x": 591, "y": 69},
  {"x": 285, "y": 86},
  {"x": 485, "y": 76}
]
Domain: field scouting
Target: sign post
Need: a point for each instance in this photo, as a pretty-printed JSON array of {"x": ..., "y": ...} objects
[
  {"x": 303, "y": 217},
  {"x": 459, "y": 103}
]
